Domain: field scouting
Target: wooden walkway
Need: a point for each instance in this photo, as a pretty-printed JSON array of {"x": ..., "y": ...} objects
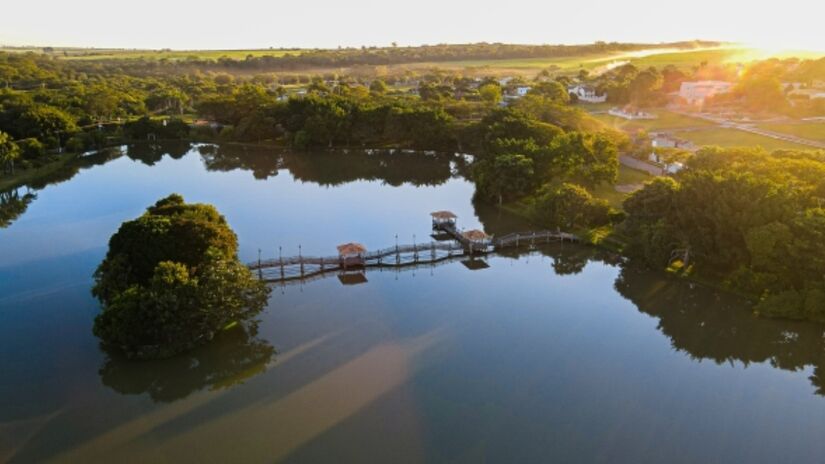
[{"x": 308, "y": 267}]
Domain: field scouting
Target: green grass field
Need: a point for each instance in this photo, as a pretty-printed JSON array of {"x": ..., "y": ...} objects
[
  {"x": 627, "y": 176},
  {"x": 811, "y": 131},
  {"x": 666, "y": 121},
  {"x": 736, "y": 138}
]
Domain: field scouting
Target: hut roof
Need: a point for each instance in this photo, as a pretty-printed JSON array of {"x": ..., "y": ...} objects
[
  {"x": 351, "y": 249},
  {"x": 474, "y": 235},
  {"x": 443, "y": 215}
]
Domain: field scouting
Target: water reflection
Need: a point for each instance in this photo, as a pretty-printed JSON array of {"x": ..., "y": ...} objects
[
  {"x": 720, "y": 327},
  {"x": 327, "y": 168},
  {"x": 335, "y": 167},
  {"x": 232, "y": 358},
  {"x": 152, "y": 153},
  {"x": 13, "y": 204}
]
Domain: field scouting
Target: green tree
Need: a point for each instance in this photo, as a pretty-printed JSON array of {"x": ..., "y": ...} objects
[
  {"x": 171, "y": 280},
  {"x": 378, "y": 87},
  {"x": 490, "y": 93},
  {"x": 9, "y": 151},
  {"x": 503, "y": 177},
  {"x": 552, "y": 90},
  {"x": 570, "y": 206}
]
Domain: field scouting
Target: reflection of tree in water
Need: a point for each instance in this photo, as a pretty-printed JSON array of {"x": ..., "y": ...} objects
[
  {"x": 263, "y": 162},
  {"x": 334, "y": 167},
  {"x": 13, "y": 204},
  {"x": 233, "y": 357},
  {"x": 151, "y": 153},
  {"x": 394, "y": 168},
  {"x": 713, "y": 325}
]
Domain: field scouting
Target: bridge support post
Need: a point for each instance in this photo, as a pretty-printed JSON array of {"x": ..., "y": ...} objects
[
  {"x": 322, "y": 264},
  {"x": 281, "y": 262},
  {"x": 301, "y": 261}
]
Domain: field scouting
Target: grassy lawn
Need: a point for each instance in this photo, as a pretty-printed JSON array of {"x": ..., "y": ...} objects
[
  {"x": 626, "y": 176},
  {"x": 736, "y": 138},
  {"x": 811, "y": 131},
  {"x": 667, "y": 120}
]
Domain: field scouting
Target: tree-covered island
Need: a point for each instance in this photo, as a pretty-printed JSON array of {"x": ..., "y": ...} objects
[{"x": 171, "y": 281}]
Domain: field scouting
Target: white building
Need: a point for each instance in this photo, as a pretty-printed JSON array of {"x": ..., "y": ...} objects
[
  {"x": 695, "y": 93},
  {"x": 587, "y": 93},
  {"x": 522, "y": 90}
]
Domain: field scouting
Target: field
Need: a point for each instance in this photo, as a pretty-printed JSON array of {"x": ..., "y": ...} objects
[
  {"x": 519, "y": 66},
  {"x": 627, "y": 176},
  {"x": 666, "y": 121},
  {"x": 593, "y": 63},
  {"x": 811, "y": 131},
  {"x": 736, "y": 138}
]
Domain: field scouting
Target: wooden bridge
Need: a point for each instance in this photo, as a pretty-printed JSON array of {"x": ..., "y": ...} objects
[{"x": 453, "y": 244}]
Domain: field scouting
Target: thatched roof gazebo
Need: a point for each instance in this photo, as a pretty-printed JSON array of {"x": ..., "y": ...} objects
[
  {"x": 441, "y": 218},
  {"x": 351, "y": 254},
  {"x": 475, "y": 235},
  {"x": 349, "y": 250},
  {"x": 475, "y": 240}
]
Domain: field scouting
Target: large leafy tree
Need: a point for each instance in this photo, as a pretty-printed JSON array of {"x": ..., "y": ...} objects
[
  {"x": 171, "y": 280},
  {"x": 506, "y": 176},
  {"x": 9, "y": 151}
]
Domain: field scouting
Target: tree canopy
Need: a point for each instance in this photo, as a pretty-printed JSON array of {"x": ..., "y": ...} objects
[{"x": 171, "y": 280}]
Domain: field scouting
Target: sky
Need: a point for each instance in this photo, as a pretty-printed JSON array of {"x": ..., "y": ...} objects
[{"x": 244, "y": 24}]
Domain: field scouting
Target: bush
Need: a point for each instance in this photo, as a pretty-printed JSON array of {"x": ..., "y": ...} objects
[{"x": 31, "y": 149}]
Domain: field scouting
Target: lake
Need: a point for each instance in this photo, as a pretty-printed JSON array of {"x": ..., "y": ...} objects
[{"x": 557, "y": 354}]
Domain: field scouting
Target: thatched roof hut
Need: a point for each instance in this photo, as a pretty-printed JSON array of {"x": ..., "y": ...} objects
[
  {"x": 349, "y": 250},
  {"x": 443, "y": 216},
  {"x": 475, "y": 235}
]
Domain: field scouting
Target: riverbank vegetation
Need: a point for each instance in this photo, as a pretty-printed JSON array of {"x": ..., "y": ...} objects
[
  {"x": 752, "y": 219},
  {"x": 171, "y": 280}
]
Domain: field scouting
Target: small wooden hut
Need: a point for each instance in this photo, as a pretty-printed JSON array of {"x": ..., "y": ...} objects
[
  {"x": 351, "y": 255},
  {"x": 476, "y": 240},
  {"x": 441, "y": 218}
]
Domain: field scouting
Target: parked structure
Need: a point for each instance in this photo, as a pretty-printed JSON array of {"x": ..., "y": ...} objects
[{"x": 695, "y": 93}]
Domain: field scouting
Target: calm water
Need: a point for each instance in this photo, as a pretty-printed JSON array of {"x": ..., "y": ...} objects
[{"x": 557, "y": 355}]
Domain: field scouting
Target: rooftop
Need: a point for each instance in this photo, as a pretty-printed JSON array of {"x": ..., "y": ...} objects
[
  {"x": 475, "y": 235},
  {"x": 443, "y": 215},
  {"x": 350, "y": 249}
]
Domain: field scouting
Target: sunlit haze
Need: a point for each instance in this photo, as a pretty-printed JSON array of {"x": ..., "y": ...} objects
[{"x": 791, "y": 24}]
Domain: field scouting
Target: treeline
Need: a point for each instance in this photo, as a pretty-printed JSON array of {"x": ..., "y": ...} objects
[
  {"x": 752, "y": 219},
  {"x": 378, "y": 56}
]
